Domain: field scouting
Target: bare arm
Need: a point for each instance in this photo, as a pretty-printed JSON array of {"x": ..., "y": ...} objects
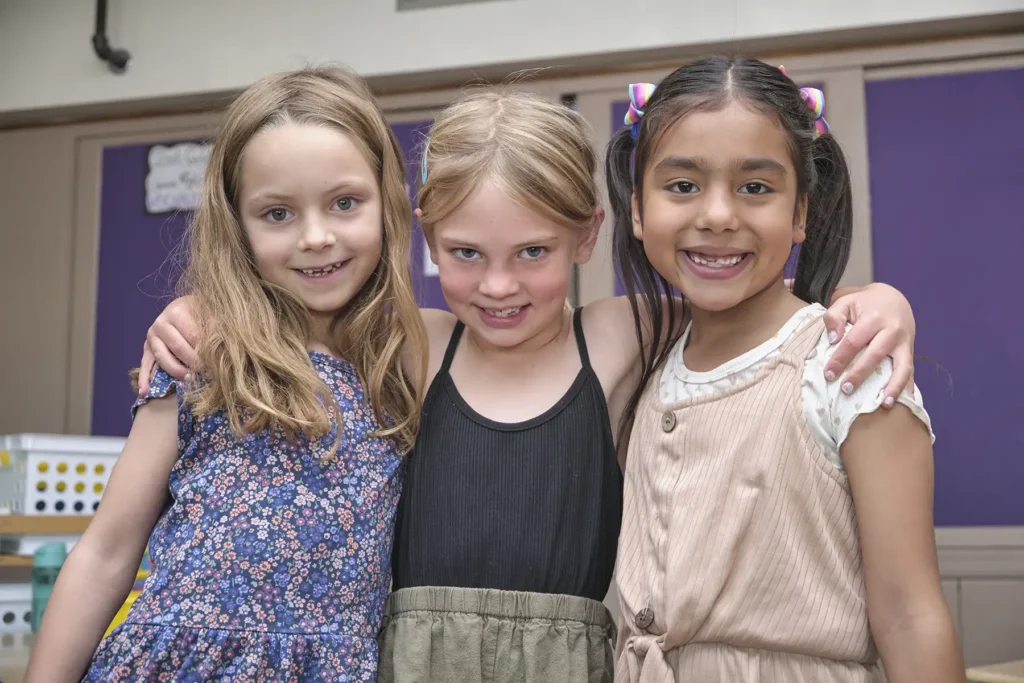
[
  {"x": 171, "y": 340},
  {"x": 101, "y": 568},
  {"x": 888, "y": 458}
]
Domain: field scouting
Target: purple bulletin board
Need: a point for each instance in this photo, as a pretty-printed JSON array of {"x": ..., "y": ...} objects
[
  {"x": 137, "y": 276},
  {"x": 140, "y": 261},
  {"x": 619, "y": 110},
  {"x": 947, "y": 216},
  {"x": 411, "y": 138}
]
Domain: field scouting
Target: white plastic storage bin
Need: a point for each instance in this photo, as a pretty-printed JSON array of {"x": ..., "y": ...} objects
[
  {"x": 16, "y": 608},
  {"x": 51, "y": 474}
]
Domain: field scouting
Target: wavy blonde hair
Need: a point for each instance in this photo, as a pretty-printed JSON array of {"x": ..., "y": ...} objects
[
  {"x": 538, "y": 152},
  {"x": 254, "y": 357}
]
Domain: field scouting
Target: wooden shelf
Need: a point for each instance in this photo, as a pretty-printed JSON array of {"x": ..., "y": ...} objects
[
  {"x": 16, "y": 561},
  {"x": 43, "y": 525},
  {"x": 1008, "y": 672}
]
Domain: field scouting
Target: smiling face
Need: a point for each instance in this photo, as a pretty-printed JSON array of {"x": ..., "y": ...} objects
[
  {"x": 721, "y": 209},
  {"x": 310, "y": 206},
  {"x": 505, "y": 270}
]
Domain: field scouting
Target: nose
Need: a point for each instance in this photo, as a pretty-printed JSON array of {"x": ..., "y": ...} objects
[
  {"x": 316, "y": 236},
  {"x": 718, "y": 211},
  {"x": 498, "y": 283}
]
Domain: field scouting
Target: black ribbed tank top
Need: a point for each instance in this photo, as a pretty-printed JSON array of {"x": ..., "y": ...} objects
[{"x": 528, "y": 506}]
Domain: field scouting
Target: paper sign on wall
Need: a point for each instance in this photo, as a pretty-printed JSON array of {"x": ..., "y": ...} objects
[
  {"x": 174, "y": 176},
  {"x": 429, "y": 267}
]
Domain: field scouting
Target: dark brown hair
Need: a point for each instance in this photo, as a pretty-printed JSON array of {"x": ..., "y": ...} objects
[{"x": 710, "y": 84}]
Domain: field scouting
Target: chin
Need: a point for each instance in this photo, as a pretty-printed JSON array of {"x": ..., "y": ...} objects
[
  {"x": 327, "y": 307},
  {"x": 714, "y": 303}
]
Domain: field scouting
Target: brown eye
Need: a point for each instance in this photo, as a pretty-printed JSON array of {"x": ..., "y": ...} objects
[
  {"x": 755, "y": 188},
  {"x": 683, "y": 187}
]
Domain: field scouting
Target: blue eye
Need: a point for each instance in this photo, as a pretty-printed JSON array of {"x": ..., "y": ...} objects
[
  {"x": 277, "y": 215},
  {"x": 533, "y": 252},
  {"x": 345, "y": 203},
  {"x": 466, "y": 254},
  {"x": 755, "y": 188}
]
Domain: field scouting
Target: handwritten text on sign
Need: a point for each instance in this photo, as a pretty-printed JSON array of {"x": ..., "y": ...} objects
[{"x": 174, "y": 176}]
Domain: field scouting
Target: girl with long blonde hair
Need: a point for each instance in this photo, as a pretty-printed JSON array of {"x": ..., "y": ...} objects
[
  {"x": 506, "y": 534},
  {"x": 266, "y": 486}
]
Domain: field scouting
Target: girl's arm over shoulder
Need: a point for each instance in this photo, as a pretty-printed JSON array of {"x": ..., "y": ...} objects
[
  {"x": 170, "y": 343},
  {"x": 888, "y": 458},
  {"x": 883, "y": 325},
  {"x": 100, "y": 570}
]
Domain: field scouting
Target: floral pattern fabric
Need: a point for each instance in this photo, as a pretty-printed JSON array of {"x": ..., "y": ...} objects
[{"x": 271, "y": 562}]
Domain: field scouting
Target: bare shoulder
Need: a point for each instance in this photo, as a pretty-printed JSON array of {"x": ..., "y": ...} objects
[
  {"x": 440, "y": 325},
  {"x": 611, "y": 340},
  {"x": 433, "y": 317},
  {"x": 611, "y": 321}
]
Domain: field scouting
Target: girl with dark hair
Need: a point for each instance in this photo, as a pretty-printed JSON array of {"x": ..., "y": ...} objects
[{"x": 776, "y": 526}]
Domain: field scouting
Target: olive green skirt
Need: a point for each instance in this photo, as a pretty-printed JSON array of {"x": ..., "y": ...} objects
[{"x": 469, "y": 635}]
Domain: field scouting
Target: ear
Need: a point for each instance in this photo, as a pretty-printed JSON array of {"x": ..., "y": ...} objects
[
  {"x": 638, "y": 224},
  {"x": 428, "y": 235},
  {"x": 588, "y": 238},
  {"x": 800, "y": 220}
]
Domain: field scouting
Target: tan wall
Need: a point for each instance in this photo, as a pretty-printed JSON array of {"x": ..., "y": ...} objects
[{"x": 36, "y": 246}]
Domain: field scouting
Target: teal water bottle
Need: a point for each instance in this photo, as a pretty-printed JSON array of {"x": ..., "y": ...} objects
[{"x": 47, "y": 561}]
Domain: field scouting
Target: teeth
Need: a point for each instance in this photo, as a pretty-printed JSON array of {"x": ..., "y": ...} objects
[
  {"x": 503, "y": 312},
  {"x": 715, "y": 262},
  {"x": 320, "y": 272}
]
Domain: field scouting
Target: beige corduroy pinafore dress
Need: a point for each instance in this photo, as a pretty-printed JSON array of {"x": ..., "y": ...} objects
[{"x": 739, "y": 559}]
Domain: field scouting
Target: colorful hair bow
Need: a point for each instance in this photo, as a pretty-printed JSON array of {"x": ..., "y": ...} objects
[
  {"x": 814, "y": 99},
  {"x": 639, "y": 94}
]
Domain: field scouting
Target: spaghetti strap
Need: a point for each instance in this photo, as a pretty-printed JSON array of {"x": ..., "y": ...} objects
[
  {"x": 581, "y": 342},
  {"x": 453, "y": 344}
]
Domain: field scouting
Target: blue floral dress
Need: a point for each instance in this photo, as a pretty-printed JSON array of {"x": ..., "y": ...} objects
[{"x": 270, "y": 563}]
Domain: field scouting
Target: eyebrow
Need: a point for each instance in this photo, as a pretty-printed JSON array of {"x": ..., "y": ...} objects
[
  {"x": 762, "y": 164},
  {"x": 461, "y": 243},
  {"x": 682, "y": 163},
  {"x": 701, "y": 164},
  {"x": 351, "y": 184}
]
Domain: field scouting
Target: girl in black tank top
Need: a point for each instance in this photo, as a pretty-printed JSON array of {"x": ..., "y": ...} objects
[
  {"x": 530, "y": 506},
  {"x": 506, "y": 534}
]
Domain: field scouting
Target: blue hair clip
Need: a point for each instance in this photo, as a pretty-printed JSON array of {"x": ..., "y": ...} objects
[{"x": 423, "y": 165}]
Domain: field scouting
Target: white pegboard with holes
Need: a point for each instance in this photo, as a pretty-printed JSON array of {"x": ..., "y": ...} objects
[
  {"x": 51, "y": 474},
  {"x": 15, "y": 608}
]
